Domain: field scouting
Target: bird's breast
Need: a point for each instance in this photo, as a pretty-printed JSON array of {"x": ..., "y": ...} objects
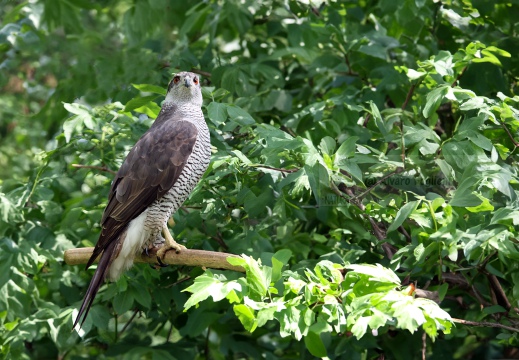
[{"x": 161, "y": 210}]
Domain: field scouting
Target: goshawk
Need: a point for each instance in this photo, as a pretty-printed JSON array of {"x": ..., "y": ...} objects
[{"x": 156, "y": 177}]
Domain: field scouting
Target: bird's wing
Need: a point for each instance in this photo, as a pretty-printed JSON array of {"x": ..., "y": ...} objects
[{"x": 149, "y": 171}]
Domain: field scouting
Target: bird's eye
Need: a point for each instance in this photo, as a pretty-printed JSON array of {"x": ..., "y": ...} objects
[
  {"x": 176, "y": 79},
  {"x": 195, "y": 80}
]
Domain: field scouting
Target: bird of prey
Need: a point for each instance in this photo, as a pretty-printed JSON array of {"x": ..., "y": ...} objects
[{"x": 154, "y": 180}]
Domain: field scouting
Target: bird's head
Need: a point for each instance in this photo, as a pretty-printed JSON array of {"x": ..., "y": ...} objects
[{"x": 184, "y": 88}]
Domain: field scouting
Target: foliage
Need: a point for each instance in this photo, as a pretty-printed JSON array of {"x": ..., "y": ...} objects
[
  {"x": 320, "y": 301},
  {"x": 361, "y": 149}
]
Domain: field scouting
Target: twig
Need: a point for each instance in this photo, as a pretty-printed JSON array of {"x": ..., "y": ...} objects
[
  {"x": 409, "y": 95},
  {"x": 405, "y": 233},
  {"x": 424, "y": 345},
  {"x": 485, "y": 261},
  {"x": 500, "y": 293},
  {"x": 456, "y": 280},
  {"x": 206, "y": 345},
  {"x": 187, "y": 257},
  {"x": 201, "y": 72},
  {"x": 100, "y": 168},
  {"x": 404, "y": 105},
  {"x": 186, "y": 278},
  {"x": 193, "y": 70},
  {"x": 397, "y": 171},
  {"x": 170, "y": 332},
  {"x": 288, "y": 130},
  {"x": 427, "y": 294},
  {"x": 379, "y": 233},
  {"x": 218, "y": 238},
  {"x": 516, "y": 144},
  {"x": 315, "y": 11},
  {"x": 276, "y": 169},
  {"x": 477, "y": 295},
  {"x": 350, "y": 71},
  {"x": 455, "y": 82},
  {"x": 129, "y": 322},
  {"x": 353, "y": 199},
  {"x": 485, "y": 324},
  {"x": 366, "y": 120},
  {"x": 389, "y": 249}
]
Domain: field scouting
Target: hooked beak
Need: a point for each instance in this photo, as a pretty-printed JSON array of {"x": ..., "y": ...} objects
[{"x": 188, "y": 82}]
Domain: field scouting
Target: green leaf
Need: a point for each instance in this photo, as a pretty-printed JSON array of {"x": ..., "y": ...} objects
[
  {"x": 376, "y": 272},
  {"x": 141, "y": 295},
  {"x": 378, "y": 119},
  {"x": 360, "y": 326},
  {"x": 207, "y": 285},
  {"x": 415, "y": 75},
  {"x": 279, "y": 260},
  {"x": 327, "y": 145},
  {"x": 484, "y": 206},
  {"x": 258, "y": 279},
  {"x": 346, "y": 150},
  {"x": 434, "y": 99},
  {"x": 315, "y": 345},
  {"x": 465, "y": 196},
  {"x": 240, "y": 116},
  {"x": 75, "y": 123},
  {"x": 70, "y": 125},
  {"x": 246, "y": 317},
  {"x": 217, "y": 112},
  {"x": 150, "y": 88},
  {"x": 151, "y": 109},
  {"x": 402, "y": 214},
  {"x": 138, "y": 102},
  {"x": 122, "y": 302}
]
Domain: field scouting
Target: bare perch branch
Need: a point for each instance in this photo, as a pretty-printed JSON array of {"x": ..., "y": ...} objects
[
  {"x": 187, "y": 257},
  {"x": 484, "y": 324},
  {"x": 100, "y": 168}
]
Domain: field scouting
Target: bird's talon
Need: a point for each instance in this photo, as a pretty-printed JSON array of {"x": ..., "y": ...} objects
[{"x": 160, "y": 263}]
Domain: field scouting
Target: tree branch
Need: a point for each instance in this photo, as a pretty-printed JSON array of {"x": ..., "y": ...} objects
[
  {"x": 187, "y": 257},
  {"x": 366, "y": 120},
  {"x": 485, "y": 324},
  {"x": 516, "y": 144},
  {"x": 384, "y": 178},
  {"x": 100, "y": 168},
  {"x": 409, "y": 95},
  {"x": 201, "y": 72},
  {"x": 424, "y": 346},
  {"x": 500, "y": 293},
  {"x": 455, "y": 82}
]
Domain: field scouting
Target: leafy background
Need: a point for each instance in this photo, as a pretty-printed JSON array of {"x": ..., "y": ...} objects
[{"x": 344, "y": 133}]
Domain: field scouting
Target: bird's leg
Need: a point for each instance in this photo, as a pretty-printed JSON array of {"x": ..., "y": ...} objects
[
  {"x": 156, "y": 244},
  {"x": 169, "y": 244}
]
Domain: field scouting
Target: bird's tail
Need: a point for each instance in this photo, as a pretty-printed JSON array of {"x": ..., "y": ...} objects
[{"x": 96, "y": 282}]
